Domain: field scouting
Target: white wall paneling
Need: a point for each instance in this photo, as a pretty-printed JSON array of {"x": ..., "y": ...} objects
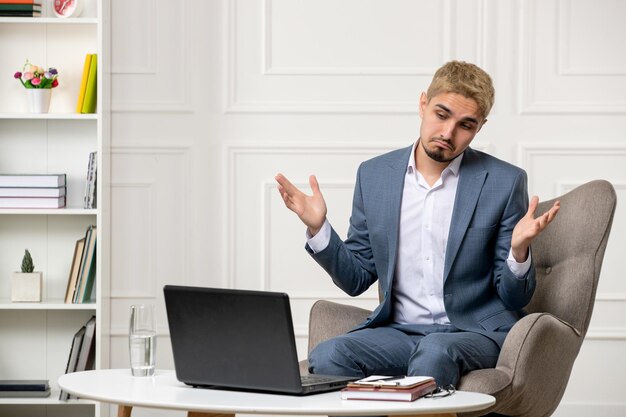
[
  {"x": 582, "y": 27},
  {"x": 335, "y": 57},
  {"x": 597, "y": 359},
  {"x": 151, "y": 62},
  {"x": 572, "y": 60},
  {"x": 149, "y": 216}
]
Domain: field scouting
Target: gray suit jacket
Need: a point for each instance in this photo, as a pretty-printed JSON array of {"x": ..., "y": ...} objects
[{"x": 481, "y": 294}]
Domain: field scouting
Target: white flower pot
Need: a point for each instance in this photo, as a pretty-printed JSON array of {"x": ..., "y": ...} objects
[
  {"x": 38, "y": 99},
  {"x": 26, "y": 287}
]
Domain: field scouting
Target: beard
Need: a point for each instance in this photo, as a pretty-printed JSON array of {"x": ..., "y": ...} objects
[{"x": 437, "y": 154}]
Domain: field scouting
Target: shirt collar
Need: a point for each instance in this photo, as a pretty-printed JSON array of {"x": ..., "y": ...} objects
[{"x": 453, "y": 167}]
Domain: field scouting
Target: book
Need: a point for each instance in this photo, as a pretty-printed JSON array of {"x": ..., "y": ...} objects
[
  {"x": 25, "y": 394},
  {"x": 86, "y": 290},
  {"x": 73, "y": 358},
  {"x": 83, "y": 84},
  {"x": 81, "y": 266},
  {"x": 20, "y": 2},
  {"x": 19, "y": 13},
  {"x": 20, "y": 7},
  {"x": 74, "y": 269},
  {"x": 32, "y": 202},
  {"x": 387, "y": 393},
  {"x": 93, "y": 192},
  {"x": 86, "y": 261},
  {"x": 87, "y": 352},
  {"x": 89, "y": 102},
  {"x": 32, "y": 180},
  {"x": 24, "y": 385},
  {"x": 90, "y": 183},
  {"x": 32, "y": 191}
]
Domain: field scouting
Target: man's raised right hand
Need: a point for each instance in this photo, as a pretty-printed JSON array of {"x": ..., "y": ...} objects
[{"x": 311, "y": 209}]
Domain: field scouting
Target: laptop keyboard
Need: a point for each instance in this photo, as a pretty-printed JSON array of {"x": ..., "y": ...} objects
[{"x": 313, "y": 379}]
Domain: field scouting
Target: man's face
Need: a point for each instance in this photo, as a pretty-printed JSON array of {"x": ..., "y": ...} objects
[{"x": 449, "y": 123}]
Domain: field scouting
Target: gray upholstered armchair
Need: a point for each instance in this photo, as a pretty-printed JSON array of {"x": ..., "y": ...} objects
[{"x": 537, "y": 357}]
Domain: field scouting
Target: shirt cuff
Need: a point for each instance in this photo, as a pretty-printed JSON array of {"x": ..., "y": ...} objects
[
  {"x": 320, "y": 241},
  {"x": 518, "y": 269}
]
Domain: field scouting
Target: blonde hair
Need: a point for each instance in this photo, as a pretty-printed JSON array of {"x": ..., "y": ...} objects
[{"x": 466, "y": 79}]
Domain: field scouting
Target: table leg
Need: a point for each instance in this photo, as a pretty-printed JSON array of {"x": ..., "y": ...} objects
[{"x": 124, "y": 410}]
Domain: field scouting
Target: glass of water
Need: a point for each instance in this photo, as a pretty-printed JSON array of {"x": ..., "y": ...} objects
[{"x": 142, "y": 340}]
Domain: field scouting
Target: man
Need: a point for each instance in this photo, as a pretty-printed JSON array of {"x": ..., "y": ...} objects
[{"x": 446, "y": 232}]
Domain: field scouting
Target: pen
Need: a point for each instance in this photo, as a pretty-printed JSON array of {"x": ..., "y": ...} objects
[
  {"x": 387, "y": 378},
  {"x": 380, "y": 380}
]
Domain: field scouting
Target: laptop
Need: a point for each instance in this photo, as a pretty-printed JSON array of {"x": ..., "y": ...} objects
[{"x": 238, "y": 339}]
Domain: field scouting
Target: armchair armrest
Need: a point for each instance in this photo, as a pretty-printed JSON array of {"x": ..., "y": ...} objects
[
  {"x": 327, "y": 320},
  {"x": 533, "y": 367}
]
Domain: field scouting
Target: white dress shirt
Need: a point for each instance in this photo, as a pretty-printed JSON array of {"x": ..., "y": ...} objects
[{"x": 425, "y": 217}]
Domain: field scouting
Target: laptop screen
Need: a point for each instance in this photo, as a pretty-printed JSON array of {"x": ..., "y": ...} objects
[{"x": 232, "y": 338}]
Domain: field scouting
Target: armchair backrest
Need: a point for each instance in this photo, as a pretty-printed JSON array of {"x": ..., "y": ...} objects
[{"x": 568, "y": 254}]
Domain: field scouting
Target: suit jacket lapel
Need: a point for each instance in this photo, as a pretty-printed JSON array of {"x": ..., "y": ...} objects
[
  {"x": 398, "y": 166},
  {"x": 471, "y": 180}
]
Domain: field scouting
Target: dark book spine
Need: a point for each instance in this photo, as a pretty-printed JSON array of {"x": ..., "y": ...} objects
[{"x": 24, "y": 387}]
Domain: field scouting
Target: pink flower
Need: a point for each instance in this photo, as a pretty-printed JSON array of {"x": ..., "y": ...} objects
[{"x": 34, "y": 76}]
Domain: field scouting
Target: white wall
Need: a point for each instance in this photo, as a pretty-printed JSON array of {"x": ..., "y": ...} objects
[{"x": 212, "y": 98}]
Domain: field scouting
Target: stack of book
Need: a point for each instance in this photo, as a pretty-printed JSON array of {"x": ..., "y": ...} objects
[
  {"x": 24, "y": 388},
  {"x": 87, "y": 93},
  {"x": 82, "y": 276},
  {"x": 384, "y": 388},
  {"x": 32, "y": 190},
  {"x": 82, "y": 352},
  {"x": 20, "y": 8}
]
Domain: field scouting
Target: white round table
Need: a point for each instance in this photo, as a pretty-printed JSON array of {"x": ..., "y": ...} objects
[{"x": 164, "y": 391}]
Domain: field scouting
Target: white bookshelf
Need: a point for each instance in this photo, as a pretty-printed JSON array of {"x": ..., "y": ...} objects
[
  {"x": 52, "y": 400},
  {"x": 35, "y": 338},
  {"x": 49, "y": 116},
  {"x": 47, "y": 304}
]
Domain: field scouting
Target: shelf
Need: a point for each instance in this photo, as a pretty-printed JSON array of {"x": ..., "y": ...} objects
[
  {"x": 51, "y": 212},
  {"x": 50, "y": 20},
  {"x": 50, "y": 116},
  {"x": 53, "y": 399},
  {"x": 6, "y": 304}
]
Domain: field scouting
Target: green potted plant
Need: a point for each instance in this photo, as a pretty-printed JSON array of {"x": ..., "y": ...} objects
[{"x": 26, "y": 285}]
